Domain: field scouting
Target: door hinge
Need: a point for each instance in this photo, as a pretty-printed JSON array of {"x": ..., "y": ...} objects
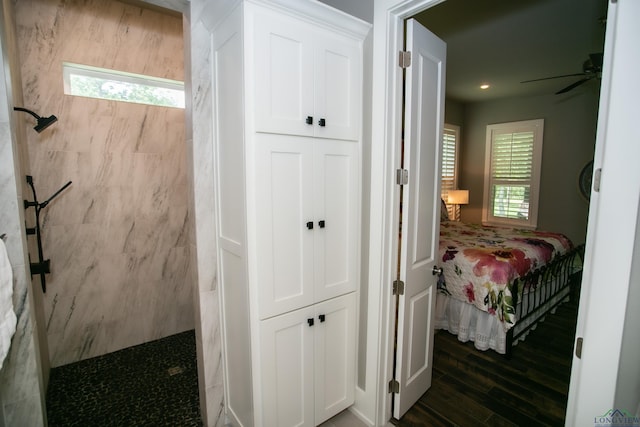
[
  {"x": 402, "y": 176},
  {"x": 394, "y": 386},
  {"x": 579, "y": 348},
  {"x": 404, "y": 59},
  {"x": 398, "y": 287},
  {"x": 596, "y": 180}
]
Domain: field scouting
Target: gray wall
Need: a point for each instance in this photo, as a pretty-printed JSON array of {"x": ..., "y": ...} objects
[
  {"x": 569, "y": 140},
  {"x": 362, "y": 9}
]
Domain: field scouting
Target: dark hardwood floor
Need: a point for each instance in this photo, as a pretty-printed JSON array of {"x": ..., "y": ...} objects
[{"x": 474, "y": 388}]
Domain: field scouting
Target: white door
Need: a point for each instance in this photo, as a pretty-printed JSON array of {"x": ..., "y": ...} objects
[
  {"x": 285, "y": 223},
  {"x": 287, "y": 366},
  {"x": 338, "y": 90},
  {"x": 334, "y": 353},
  {"x": 424, "y": 120},
  {"x": 284, "y": 73},
  {"x": 336, "y": 195}
]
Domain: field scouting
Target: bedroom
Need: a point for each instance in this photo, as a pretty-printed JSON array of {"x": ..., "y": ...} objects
[{"x": 570, "y": 119}]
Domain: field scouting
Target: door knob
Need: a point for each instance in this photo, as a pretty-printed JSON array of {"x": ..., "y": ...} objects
[{"x": 436, "y": 270}]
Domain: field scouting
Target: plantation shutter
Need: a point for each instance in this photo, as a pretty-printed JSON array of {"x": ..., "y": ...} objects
[
  {"x": 511, "y": 174},
  {"x": 449, "y": 173}
]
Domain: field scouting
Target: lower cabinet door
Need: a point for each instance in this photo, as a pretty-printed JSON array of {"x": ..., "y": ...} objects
[
  {"x": 308, "y": 363},
  {"x": 287, "y": 375},
  {"x": 334, "y": 351}
]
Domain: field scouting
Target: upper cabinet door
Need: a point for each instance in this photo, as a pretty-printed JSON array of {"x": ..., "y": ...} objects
[
  {"x": 306, "y": 79},
  {"x": 283, "y": 75},
  {"x": 338, "y": 90}
]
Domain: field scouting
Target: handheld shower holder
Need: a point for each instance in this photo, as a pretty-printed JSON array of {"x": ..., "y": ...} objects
[{"x": 42, "y": 267}]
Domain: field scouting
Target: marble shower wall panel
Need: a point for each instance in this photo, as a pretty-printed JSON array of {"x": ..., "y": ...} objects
[
  {"x": 118, "y": 238},
  {"x": 21, "y": 385}
]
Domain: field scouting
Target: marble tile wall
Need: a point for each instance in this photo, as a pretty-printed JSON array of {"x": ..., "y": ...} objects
[
  {"x": 118, "y": 237},
  {"x": 21, "y": 380},
  {"x": 208, "y": 337}
]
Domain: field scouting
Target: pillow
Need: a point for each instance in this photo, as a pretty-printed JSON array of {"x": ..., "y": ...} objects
[{"x": 444, "y": 213}]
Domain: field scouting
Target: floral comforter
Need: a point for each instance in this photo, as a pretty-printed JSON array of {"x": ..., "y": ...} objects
[{"x": 478, "y": 262}]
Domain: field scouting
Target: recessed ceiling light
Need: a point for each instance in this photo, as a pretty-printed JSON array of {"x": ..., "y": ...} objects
[{"x": 484, "y": 86}]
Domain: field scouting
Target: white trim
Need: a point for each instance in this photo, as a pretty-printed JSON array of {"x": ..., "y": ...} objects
[
  {"x": 612, "y": 232},
  {"x": 388, "y": 39}
]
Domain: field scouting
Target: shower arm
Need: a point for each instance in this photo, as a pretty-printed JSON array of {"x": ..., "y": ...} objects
[
  {"x": 42, "y": 266},
  {"x": 24, "y": 110}
]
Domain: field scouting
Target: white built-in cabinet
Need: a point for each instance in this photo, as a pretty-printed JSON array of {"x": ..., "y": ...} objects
[
  {"x": 307, "y": 229},
  {"x": 308, "y": 362},
  {"x": 288, "y": 124}
]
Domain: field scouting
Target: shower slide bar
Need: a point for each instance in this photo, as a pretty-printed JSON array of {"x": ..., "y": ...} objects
[{"x": 42, "y": 267}]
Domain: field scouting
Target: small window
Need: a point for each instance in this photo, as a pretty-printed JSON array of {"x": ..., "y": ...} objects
[
  {"x": 512, "y": 177},
  {"x": 450, "y": 149},
  {"x": 101, "y": 83}
]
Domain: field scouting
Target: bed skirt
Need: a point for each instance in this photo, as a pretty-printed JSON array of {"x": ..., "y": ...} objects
[{"x": 472, "y": 324}]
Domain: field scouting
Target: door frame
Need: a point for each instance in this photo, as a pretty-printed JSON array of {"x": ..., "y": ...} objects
[{"x": 373, "y": 403}]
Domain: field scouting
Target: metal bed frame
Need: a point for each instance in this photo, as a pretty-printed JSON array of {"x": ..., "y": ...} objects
[{"x": 539, "y": 287}]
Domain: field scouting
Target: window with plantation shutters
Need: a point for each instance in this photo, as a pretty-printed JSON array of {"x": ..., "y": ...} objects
[
  {"x": 512, "y": 173},
  {"x": 450, "y": 141}
]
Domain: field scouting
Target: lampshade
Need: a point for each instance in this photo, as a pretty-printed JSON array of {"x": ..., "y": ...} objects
[{"x": 458, "y": 197}]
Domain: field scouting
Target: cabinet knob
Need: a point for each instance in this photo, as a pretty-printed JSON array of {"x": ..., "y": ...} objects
[
  {"x": 321, "y": 223},
  {"x": 321, "y": 318},
  {"x": 310, "y": 225},
  {"x": 322, "y": 123},
  {"x": 310, "y": 321},
  {"x": 309, "y": 120}
]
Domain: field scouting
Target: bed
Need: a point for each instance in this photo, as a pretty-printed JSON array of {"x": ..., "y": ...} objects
[{"x": 497, "y": 283}]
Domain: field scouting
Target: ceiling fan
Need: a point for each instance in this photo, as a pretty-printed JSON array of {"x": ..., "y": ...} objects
[{"x": 591, "y": 68}]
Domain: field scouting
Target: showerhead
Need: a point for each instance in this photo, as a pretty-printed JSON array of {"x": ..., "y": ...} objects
[{"x": 43, "y": 122}]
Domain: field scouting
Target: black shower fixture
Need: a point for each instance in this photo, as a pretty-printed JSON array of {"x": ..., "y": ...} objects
[{"x": 43, "y": 122}]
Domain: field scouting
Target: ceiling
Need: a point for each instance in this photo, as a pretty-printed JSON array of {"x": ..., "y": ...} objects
[{"x": 504, "y": 42}]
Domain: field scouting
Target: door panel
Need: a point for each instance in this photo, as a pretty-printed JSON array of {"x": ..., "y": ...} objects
[
  {"x": 284, "y": 181},
  {"x": 287, "y": 359},
  {"x": 335, "y": 345},
  {"x": 336, "y": 173},
  {"x": 284, "y": 72},
  {"x": 424, "y": 118},
  {"x": 338, "y": 89}
]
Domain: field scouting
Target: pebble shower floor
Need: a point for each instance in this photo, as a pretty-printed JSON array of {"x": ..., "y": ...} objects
[{"x": 152, "y": 384}]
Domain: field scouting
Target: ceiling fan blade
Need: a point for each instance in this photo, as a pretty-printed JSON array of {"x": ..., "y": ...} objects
[
  {"x": 572, "y": 86},
  {"x": 554, "y": 77},
  {"x": 596, "y": 59}
]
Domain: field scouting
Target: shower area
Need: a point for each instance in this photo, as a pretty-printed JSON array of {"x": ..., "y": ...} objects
[{"x": 118, "y": 237}]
